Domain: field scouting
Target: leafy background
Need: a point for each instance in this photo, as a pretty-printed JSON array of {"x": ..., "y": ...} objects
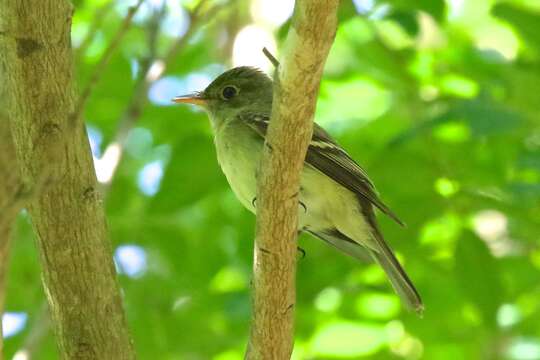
[{"x": 438, "y": 100}]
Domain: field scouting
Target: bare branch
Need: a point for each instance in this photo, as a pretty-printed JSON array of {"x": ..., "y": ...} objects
[
  {"x": 198, "y": 16},
  {"x": 271, "y": 57},
  {"x": 295, "y": 94},
  {"x": 99, "y": 15},
  {"x": 37, "y": 333},
  {"x": 99, "y": 69},
  {"x": 152, "y": 71}
]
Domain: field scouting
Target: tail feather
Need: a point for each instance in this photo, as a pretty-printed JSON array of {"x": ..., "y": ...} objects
[
  {"x": 397, "y": 276},
  {"x": 399, "y": 280},
  {"x": 386, "y": 258},
  {"x": 344, "y": 244}
]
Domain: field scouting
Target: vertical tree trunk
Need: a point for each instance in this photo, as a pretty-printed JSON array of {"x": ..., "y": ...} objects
[
  {"x": 296, "y": 87},
  {"x": 66, "y": 208}
]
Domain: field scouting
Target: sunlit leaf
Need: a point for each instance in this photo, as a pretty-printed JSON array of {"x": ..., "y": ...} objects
[
  {"x": 228, "y": 279},
  {"x": 348, "y": 339},
  {"x": 477, "y": 273},
  {"x": 377, "y": 305},
  {"x": 452, "y": 132},
  {"x": 526, "y": 22}
]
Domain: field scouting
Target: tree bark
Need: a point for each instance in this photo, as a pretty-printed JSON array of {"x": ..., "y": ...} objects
[
  {"x": 296, "y": 87},
  {"x": 57, "y": 169}
]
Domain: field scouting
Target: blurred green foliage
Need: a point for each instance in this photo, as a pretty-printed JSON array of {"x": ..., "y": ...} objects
[{"x": 440, "y": 102}]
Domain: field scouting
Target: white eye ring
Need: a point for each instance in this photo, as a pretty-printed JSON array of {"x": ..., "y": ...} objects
[{"x": 229, "y": 91}]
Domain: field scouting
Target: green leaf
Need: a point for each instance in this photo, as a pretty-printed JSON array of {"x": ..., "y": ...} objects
[
  {"x": 346, "y": 339},
  {"x": 435, "y": 8},
  {"x": 525, "y": 22},
  {"x": 406, "y": 19},
  {"x": 478, "y": 275}
]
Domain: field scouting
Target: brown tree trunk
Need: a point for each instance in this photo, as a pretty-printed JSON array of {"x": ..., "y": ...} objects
[
  {"x": 57, "y": 169},
  {"x": 296, "y": 87}
]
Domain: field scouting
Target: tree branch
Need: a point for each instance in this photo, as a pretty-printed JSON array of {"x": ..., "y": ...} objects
[
  {"x": 99, "y": 15},
  {"x": 99, "y": 69},
  {"x": 296, "y": 87},
  {"x": 271, "y": 57},
  {"x": 36, "y": 334},
  {"x": 68, "y": 216},
  {"x": 152, "y": 71}
]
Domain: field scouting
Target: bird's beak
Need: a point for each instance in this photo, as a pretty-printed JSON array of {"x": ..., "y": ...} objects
[{"x": 195, "y": 99}]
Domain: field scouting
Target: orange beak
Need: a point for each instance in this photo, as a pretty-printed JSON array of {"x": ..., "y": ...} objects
[{"x": 195, "y": 99}]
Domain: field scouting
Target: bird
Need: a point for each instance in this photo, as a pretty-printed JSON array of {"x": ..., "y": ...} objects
[{"x": 337, "y": 200}]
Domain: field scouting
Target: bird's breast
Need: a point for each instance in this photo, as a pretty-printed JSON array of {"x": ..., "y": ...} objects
[
  {"x": 238, "y": 151},
  {"x": 324, "y": 203}
]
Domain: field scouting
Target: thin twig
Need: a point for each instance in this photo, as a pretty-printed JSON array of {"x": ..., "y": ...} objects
[
  {"x": 99, "y": 69},
  {"x": 149, "y": 76},
  {"x": 270, "y": 57},
  {"x": 196, "y": 19},
  {"x": 38, "y": 332},
  {"x": 95, "y": 25},
  {"x": 138, "y": 99}
]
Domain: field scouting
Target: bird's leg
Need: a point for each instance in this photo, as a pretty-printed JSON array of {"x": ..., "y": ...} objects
[
  {"x": 254, "y": 203},
  {"x": 298, "y": 248},
  {"x": 301, "y": 203},
  {"x": 301, "y": 251}
]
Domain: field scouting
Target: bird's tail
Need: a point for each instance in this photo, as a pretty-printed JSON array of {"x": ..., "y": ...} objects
[
  {"x": 399, "y": 279},
  {"x": 385, "y": 257}
]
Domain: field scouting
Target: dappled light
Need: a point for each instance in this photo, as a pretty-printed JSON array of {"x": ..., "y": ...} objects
[
  {"x": 130, "y": 260},
  {"x": 13, "y": 323},
  {"x": 244, "y": 53},
  {"x": 439, "y": 101}
]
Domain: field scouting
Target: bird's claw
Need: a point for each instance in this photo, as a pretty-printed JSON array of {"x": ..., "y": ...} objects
[
  {"x": 254, "y": 203},
  {"x": 304, "y": 206},
  {"x": 302, "y": 251}
]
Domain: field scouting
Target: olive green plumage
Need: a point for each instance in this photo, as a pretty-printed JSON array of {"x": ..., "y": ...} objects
[{"x": 337, "y": 198}]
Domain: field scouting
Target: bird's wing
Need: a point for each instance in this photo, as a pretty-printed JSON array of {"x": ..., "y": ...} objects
[
  {"x": 328, "y": 157},
  {"x": 343, "y": 243}
]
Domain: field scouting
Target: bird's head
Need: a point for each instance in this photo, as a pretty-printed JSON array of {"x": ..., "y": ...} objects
[{"x": 237, "y": 90}]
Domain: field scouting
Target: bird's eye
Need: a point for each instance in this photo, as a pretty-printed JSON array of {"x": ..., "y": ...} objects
[{"x": 229, "y": 92}]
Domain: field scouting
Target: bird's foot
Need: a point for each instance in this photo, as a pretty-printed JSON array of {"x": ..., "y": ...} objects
[
  {"x": 254, "y": 203},
  {"x": 301, "y": 251},
  {"x": 303, "y": 205}
]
